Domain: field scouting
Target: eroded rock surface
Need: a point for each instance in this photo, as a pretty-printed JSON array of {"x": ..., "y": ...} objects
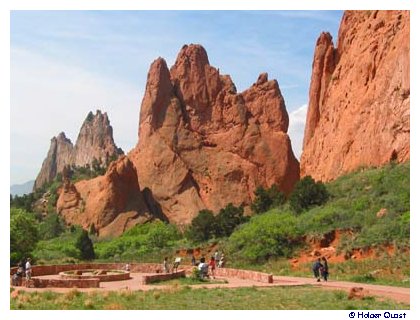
[{"x": 359, "y": 99}]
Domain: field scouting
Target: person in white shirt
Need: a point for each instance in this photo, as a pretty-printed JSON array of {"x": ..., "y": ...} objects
[
  {"x": 203, "y": 267},
  {"x": 28, "y": 269}
]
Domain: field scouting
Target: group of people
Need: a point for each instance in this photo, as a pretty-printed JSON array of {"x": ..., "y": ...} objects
[
  {"x": 216, "y": 260},
  {"x": 320, "y": 269},
  {"x": 24, "y": 268},
  {"x": 166, "y": 266}
]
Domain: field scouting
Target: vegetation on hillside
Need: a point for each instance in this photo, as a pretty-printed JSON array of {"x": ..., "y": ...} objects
[{"x": 371, "y": 205}]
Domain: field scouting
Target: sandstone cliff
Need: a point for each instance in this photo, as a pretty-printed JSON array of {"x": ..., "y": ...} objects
[
  {"x": 59, "y": 155},
  {"x": 202, "y": 144},
  {"x": 111, "y": 203},
  {"x": 95, "y": 141},
  {"x": 359, "y": 99}
]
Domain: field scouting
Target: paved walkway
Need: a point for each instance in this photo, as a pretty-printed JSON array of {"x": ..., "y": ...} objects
[{"x": 396, "y": 293}]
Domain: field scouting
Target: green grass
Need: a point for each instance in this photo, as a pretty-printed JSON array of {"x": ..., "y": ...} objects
[{"x": 185, "y": 298}]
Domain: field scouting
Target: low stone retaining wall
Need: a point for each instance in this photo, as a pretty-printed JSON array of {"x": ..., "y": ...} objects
[
  {"x": 118, "y": 275},
  {"x": 63, "y": 283},
  {"x": 244, "y": 274},
  {"x": 150, "y": 278},
  {"x": 43, "y": 270}
]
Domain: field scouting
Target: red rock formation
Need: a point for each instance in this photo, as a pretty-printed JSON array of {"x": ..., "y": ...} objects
[
  {"x": 59, "y": 155},
  {"x": 95, "y": 141},
  {"x": 111, "y": 203},
  {"x": 359, "y": 99},
  {"x": 203, "y": 145}
]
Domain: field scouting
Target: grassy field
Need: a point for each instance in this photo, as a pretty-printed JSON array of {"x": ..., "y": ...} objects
[
  {"x": 391, "y": 270},
  {"x": 185, "y": 298}
]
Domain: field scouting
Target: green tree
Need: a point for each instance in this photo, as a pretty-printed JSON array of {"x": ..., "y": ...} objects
[
  {"x": 202, "y": 226},
  {"x": 266, "y": 199},
  {"x": 85, "y": 246},
  {"x": 52, "y": 226},
  {"x": 228, "y": 218},
  {"x": 23, "y": 234},
  {"x": 308, "y": 193}
]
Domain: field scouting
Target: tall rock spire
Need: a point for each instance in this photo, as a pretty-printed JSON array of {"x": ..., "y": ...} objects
[{"x": 359, "y": 99}]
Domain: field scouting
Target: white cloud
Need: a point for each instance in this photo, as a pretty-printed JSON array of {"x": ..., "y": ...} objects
[
  {"x": 48, "y": 97},
  {"x": 297, "y": 120}
]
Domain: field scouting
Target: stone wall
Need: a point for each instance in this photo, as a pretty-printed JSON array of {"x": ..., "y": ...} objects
[
  {"x": 62, "y": 283},
  {"x": 244, "y": 274},
  {"x": 150, "y": 278}
]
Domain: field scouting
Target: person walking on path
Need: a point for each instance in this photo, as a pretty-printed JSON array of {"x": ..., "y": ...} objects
[
  {"x": 28, "y": 271},
  {"x": 193, "y": 263},
  {"x": 217, "y": 257},
  {"x": 324, "y": 269},
  {"x": 212, "y": 266},
  {"x": 165, "y": 265},
  {"x": 316, "y": 268}
]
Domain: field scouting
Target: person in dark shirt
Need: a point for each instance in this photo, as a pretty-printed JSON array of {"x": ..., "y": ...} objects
[
  {"x": 316, "y": 268},
  {"x": 324, "y": 269}
]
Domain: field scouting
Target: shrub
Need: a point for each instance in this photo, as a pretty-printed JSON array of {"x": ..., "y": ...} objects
[
  {"x": 23, "y": 234},
  {"x": 51, "y": 227},
  {"x": 308, "y": 193},
  {"x": 85, "y": 246},
  {"x": 203, "y": 226},
  {"x": 266, "y": 199},
  {"x": 228, "y": 219},
  {"x": 264, "y": 236}
]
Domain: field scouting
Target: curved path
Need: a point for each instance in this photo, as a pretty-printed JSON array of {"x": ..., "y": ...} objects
[
  {"x": 399, "y": 294},
  {"x": 134, "y": 283}
]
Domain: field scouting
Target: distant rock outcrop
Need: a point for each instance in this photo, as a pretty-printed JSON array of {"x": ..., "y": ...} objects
[
  {"x": 359, "y": 99},
  {"x": 59, "y": 155},
  {"x": 202, "y": 144},
  {"x": 95, "y": 141}
]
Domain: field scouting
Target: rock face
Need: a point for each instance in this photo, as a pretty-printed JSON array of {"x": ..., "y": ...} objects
[
  {"x": 359, "y": 99},
  {"x": 59, "y": 155},
  {"x": 202, "y": 144},
  {"x": 95, "y": 141},
  {"x": 111, "y": 203}
]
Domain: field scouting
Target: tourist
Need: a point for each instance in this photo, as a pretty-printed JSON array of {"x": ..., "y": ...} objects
[
  {"x": 203, "y": 268},
  {"x": 177, "y": 262},
  {"x": 212, "y": 266},
  {"x": 324, "y": 269},
  {"x": 127, "y": 267},
  {"x": 217, "y": 257},
  {"x": 193, "y": 260},
  {"x": 165, "y": 265},
  {"x": 316, "y": 268},
  {"x": 28, "y": 270},
  {"x": 222, "y": 261}
]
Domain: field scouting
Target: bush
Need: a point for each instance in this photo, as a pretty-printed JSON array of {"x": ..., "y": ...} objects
[
  {"x": 85, "y": 246},
  {"x": 138, "y": 241},
  {"x": 203, "y": 226},
  {"x": 51, "y": 227},
  {"x": 228, "y": 219},
  {"x": 266, "y": 199},
  {"x": 308, "y": 193},
  {"x": 264, "y": 236},
  {"x": 23, "y": 234}
]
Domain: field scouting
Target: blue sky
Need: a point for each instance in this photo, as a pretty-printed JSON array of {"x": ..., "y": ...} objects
[{"x": 66, "y": 63}]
